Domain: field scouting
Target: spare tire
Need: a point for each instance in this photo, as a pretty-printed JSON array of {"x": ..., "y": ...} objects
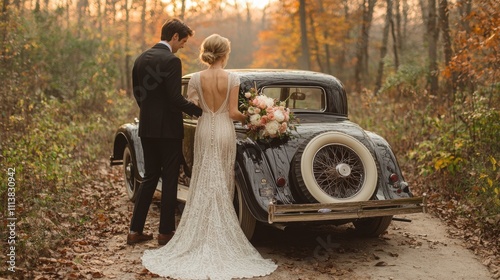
[{"x": 333, "y": 167}]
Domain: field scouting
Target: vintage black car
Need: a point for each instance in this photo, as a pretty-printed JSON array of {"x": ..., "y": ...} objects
[{"x": 330, "y": 171}]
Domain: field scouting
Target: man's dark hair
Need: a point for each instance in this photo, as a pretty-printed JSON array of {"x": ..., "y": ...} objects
[{"x": 172, "y": 26}]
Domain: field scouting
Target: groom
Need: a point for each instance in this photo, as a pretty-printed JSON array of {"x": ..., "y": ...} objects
[{"x": 157, "y": 81}]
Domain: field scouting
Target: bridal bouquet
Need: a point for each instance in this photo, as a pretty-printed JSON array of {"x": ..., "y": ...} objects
[{"x": 266, "y": 117}]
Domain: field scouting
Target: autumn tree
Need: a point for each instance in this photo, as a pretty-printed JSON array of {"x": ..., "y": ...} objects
[
  {"x": 326, "y": 35},
  {"x": 361, "y": 68},
  {"x": 383, "y": 48},
  {"x": 432, "y": 41},
  {"x": 304, "y": 57},
  {"x": 476, "y": 60}
]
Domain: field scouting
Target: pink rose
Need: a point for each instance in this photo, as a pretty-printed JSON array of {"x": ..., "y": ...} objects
[
  {"x": 283, "y": 127},
  {"x": 270, "y": 115}
]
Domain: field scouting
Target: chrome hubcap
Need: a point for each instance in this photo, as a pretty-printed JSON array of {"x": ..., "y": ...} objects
[{"x": 343, "y": 170}]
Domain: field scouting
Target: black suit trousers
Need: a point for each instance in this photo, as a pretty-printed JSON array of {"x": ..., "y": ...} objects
[{"x": 162, "y": 158}]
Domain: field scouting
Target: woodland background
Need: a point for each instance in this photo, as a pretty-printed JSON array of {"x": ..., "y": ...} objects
[{"x": 424, "y": 74}]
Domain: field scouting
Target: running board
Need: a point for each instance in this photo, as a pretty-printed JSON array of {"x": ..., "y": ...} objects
[{"x": 182, "y": 193}]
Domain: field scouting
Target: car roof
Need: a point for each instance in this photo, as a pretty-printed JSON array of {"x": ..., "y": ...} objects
[
  {"x": 250, "y": 78},
  {"x": 281, "y": 75}
]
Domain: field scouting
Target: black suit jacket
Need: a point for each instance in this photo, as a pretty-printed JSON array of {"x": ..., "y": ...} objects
[{"x": 157, "y": 82}]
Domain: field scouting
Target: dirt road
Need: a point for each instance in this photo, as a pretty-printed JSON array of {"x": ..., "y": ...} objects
[{"x": 421, "y": 249}]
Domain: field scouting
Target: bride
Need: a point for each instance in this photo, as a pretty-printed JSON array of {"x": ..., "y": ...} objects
[{"x": 209, "y": 243}]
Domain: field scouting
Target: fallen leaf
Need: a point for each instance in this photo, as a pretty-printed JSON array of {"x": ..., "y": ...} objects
[{"x": 381, "y": 264}]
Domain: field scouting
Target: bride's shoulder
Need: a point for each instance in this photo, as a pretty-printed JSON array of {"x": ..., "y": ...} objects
[
  {"x": 233, "y": 76},
  {"x": 196, "y": 76}
]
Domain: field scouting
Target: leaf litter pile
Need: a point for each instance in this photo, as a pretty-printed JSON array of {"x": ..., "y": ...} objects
[{"x": 101, "y": 240}]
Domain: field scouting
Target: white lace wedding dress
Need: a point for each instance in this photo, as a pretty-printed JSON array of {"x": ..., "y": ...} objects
[{"x": 208, "y": 243}]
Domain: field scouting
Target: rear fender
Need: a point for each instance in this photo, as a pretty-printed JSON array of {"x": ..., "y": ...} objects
[
  {"x": 128, "y": 134},
  {"x": 388, "y": 165},
  {"x": 255, "y": 179}
]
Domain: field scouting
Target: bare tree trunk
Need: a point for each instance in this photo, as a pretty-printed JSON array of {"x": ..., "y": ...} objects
[
  {"x": 406, "y": 8},
  {"x": 183, "y": 9},
  {"x": 383, "y": 48},
  {"x": 448, "y": 52},
  {"x": 465, "y": 8},
  {"x": 152, "y": 14},
  {"x": 445, "y": 27},
  {"x": 128, "y": 72},
  {"x": 397, "y": 15},
  {"x": 99, "y": 16},
  {"x": 315, "y": 43},
  {"x": 341, "y": 60},
  {"x": 361, "y": 69},
  {"x": 304, "y": 62},
  {"x": 143, "y": 25},
  {"x": 425, "y": 17},
  {"x": 395, "y": 47},
  {"x": 326, "y": 46},
  {"x": 433, "y": 34},
  {"x": 113, "y": 11}
]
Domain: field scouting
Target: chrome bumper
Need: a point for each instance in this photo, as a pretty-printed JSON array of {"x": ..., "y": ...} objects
[{"x": 345, "y": 210}]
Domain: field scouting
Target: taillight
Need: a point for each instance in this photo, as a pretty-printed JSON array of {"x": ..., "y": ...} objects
[
  {"x": 394, "y": 178},
  {"x": 281, "y": 182}
]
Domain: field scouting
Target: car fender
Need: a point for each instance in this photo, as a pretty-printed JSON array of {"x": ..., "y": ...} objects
[
  {"x": 254, "y": 177},
  {"x": 388, "y": 165},
  {"x": 128, "y": 134}
]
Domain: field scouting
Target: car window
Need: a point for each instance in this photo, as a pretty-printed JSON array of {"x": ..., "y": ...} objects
[{"x": 300, "y": 98}]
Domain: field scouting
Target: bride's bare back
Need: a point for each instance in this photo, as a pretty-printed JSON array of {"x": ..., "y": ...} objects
[{"x": 214, "y": 85}]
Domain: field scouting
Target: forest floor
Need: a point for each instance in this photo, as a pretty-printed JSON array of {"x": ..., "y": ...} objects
[{"x": 424, "y": 248}]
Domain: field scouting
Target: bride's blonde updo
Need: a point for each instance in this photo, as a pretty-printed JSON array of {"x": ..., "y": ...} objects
[{"x": 214, "y": 48}]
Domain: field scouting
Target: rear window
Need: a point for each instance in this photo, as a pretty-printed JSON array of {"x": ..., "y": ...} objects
[{"x": 298, "y": 98}]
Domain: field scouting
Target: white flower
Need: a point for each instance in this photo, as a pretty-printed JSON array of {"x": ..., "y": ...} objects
[
  {"x": 251, "y": 110},
  {"x": 272, "y": 128},
  {"x": 279, "y": 116},
  {"x": 255, "y": 119},
  {"x": 269, "y": 102},
  {"x": 248, "y": 94}
]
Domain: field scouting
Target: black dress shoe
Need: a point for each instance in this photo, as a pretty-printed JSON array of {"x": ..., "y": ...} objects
[
  {"x": 163, "y": 238},
  {"x": 134, "y": 237}
]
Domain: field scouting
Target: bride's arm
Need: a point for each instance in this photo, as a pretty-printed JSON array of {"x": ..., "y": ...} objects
[{"x": 234, "y": 113}]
